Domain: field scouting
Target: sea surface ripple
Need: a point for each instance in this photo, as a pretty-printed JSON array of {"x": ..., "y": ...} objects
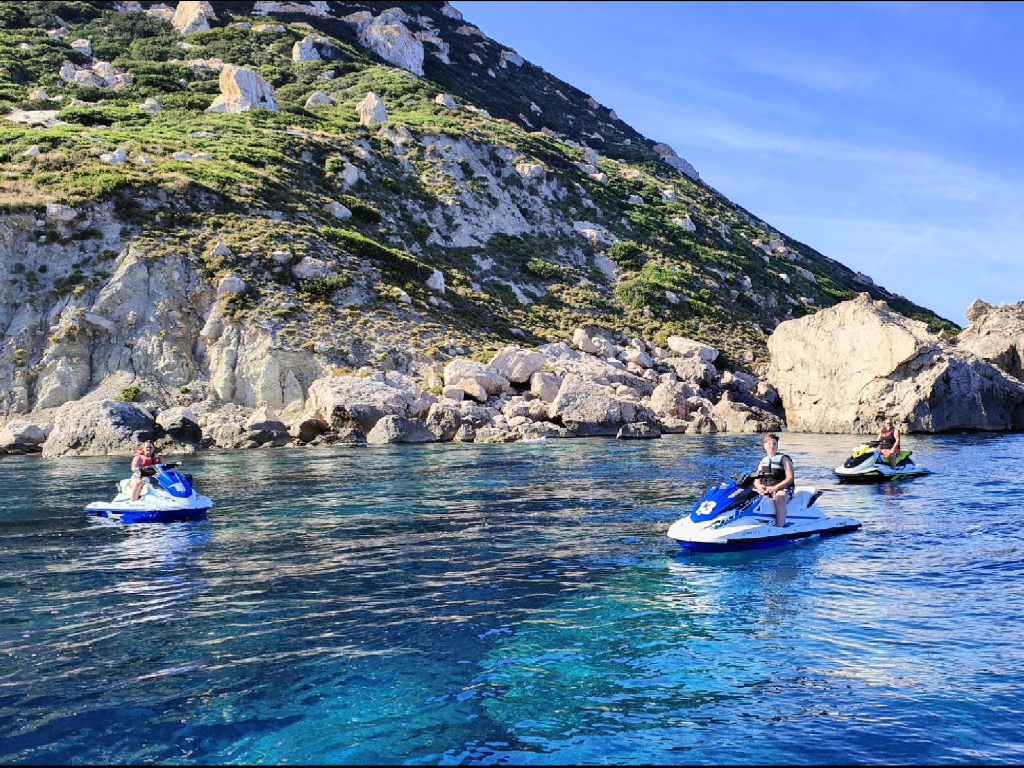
[{"x": 461, "y": 604}]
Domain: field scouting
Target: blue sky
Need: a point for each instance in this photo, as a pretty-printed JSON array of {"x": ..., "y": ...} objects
[{"x": 885, "y": 135}]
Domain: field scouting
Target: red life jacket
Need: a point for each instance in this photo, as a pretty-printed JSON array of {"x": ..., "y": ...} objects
[
  {"x": 887, "y": 439},
  {"x": 148, "y": 461}
]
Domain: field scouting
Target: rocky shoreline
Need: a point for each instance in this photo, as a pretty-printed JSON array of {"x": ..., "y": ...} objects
[
  {"x": 841, "y": 370},
  {"x": 599, "y": 384}
]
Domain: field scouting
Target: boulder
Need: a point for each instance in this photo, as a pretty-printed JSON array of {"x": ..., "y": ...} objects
[
  {"x": 847, "y": 367},
  {"x": 398, "y": 429},
  {"x": 436, "y": 282},
  {"x": 996, "y": 334},
  {"x": 99, "y": 428},
  {"x": 591, "y": 408},
  {"x": 305, "y": 50},
  {"x": 444, "y": 421},
  {"x": 667, "y": 154},
  {"x": 543, "y": 429},
  {"x": 264, "y": 426},
  {"x": 639, "y": 431},
  {"x": 496, "y": 435},
  {"x": 24, "y": 436},
  {"x": 445, "y": 100},
  {"x": 181, "y": 424},
  {"x": 668, "y": 401},
  {"x": 388, "y": 37},
  {"x": 451, "y": 392},
  {"x": 462, "y": 371},
  {"x": 545, "y": 385},
  {"x": 977, "y": 309},
  {"x": 466, "y": 434},
  {"x": 737, "y": 381},
  {"x": 359, "y": 403},
  {"x": 192, "y": 17},
  {"x": 372, "y": 110},
  {"x": 734, "y": 416},
  {"x": 520, "y": 407},
  {"x": 318, "y": 99},
  {"x": 582, "y": 342},
  {"x": 231, "y": 283},
  {"x": 692, "y": 370},
  {"x": 242, "y": 90},
  {"x": 479, "y": 415},
  {"x": 517, "y": 364},
  {"x": 684, "y": 347},
  {"x": 347, "y": 436},
  {"x": 308, "y": 428}
]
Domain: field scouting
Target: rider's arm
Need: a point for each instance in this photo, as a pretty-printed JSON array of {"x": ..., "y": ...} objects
[
  {"x": 787, "y": 464},
  {"x": 896, "y": 439},
  {"x": 135, "y": 463}
]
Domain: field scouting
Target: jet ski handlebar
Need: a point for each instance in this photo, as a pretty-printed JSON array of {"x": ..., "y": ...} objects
[{"x": 150, "y": 471}]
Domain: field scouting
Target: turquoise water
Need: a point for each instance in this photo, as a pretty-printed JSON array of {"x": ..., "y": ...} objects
[{"x": 517, "y": 604}]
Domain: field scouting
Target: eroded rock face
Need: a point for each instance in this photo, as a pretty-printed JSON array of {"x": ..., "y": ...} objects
[
  {"x": 731, "y": 415},
  {"x": 590, "y": 408},
  {"x": 192, "y": 17},
  {"x": 848, "y": 367},
  {"x": 397, "y": 429},
  {"x": 24, "y": 436},
  {"x": 671, "y": 158},
  {"x": 388, "y": 37},
  {"x": 372, "y": 110},
  {"x": 242, "y": 90},
  {"x": 99, "y": 429},
  {"x": 359, "y": 403},
  {"x": 180, "y": 424},
  {"x": 996, "y": 334},
  {"x": 461, "y": 373},
  {"x": 517, "y": 364}
]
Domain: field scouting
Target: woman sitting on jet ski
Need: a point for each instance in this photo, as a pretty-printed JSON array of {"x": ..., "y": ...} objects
[
  {"x": 775, "y": 478},
  {"x": 145, "y": 457},
  {"x": 889, "y": 443}
]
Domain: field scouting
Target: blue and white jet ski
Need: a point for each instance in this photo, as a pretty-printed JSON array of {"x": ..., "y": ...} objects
[
  {"x": 733, "y": 517},
  {"x": 167, "y": 497}
]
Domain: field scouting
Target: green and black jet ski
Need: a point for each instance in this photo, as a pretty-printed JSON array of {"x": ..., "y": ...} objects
[{"x": 866, "y": 465}]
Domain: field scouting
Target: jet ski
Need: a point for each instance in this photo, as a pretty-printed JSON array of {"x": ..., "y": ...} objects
[
  {"x": 167, "y": 497},
  {"x": 866, "y": 465},
  {"x": 733, "y": 517}
]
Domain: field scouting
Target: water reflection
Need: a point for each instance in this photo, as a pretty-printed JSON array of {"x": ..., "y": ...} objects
[{"x": 515, "y": 603}]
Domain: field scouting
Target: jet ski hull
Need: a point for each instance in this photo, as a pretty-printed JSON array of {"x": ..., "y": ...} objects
[
  {"x": 866, "y": 465},
  {"x": 765, "y": 542},
  {"x": 878, "y": 476},
  {"x": 168, "y": 499},
  {"x": 729, "y": 518},
  {"x": 129, "y": 517}
]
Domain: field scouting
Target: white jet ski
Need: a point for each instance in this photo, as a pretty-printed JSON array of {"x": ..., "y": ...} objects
[
  {"x": 733, "y": 517},
  {"x": 866, "y": 465},
  {"x": 167, "y": 497}
]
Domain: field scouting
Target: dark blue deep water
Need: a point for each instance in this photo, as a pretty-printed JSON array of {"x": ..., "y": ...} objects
[{"x": 513, "y": 604}]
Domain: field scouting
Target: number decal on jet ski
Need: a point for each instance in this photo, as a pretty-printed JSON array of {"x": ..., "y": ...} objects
[{"x": 706, "y": 508}]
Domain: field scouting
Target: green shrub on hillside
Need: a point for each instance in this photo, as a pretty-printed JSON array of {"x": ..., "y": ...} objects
[
  {"x": 639, "y": 293},
  {"x": 392, "y": 262},
  {"x": 545, "y": 270},
  {"x": 320, "y": 288},
  {"x": 361, "y": 211},
  {"x": 627, "y": 254},
  {"x": 104, "y": 115}
]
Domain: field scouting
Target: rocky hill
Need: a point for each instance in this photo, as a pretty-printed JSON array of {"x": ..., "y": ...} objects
[{"x": 205, "y": 204}]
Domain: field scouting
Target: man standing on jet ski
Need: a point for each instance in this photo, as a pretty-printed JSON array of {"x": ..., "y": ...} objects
[
  {"x": 775, "y": 477},
  {"x": 889, "y": 443}
]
